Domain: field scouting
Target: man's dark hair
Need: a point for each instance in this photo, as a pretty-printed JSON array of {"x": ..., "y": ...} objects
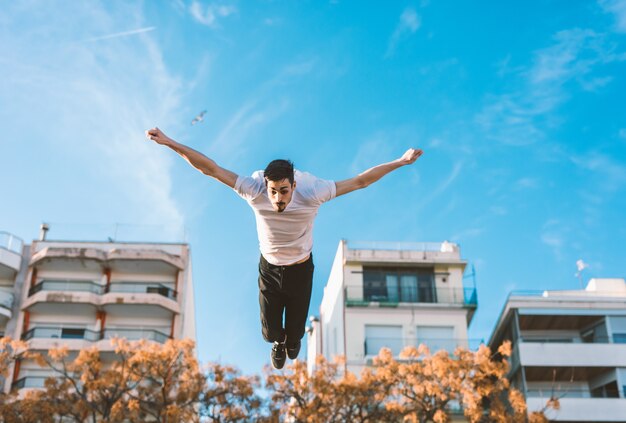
[{"x": 278, "y": 170}]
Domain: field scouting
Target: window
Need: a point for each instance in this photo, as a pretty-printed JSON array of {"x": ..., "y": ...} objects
[
  {"x": 379, "y": 336},
  {"x": 409, "y": 285},
  {"x": 606, "y": 391},
  {"x": 619, "y": 338}
]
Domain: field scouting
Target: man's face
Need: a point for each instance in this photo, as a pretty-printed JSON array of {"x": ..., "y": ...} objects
[{"x": 280, "y": 193}]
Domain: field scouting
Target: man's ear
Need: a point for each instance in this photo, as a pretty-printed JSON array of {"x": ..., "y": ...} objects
[{"x": 294, "y": 185}]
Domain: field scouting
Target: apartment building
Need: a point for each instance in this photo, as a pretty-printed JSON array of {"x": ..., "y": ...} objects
[
  {"x": 570, "y": 344},
  {"x": 391, "y": 295},
  {"x": 82, "y": 294}
]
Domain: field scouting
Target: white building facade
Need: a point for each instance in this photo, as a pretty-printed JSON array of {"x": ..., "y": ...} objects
[
  {"x": 82, "y": 294},
  {"x": 10, "y": 266},
  {"x": 391, "y": 295},
  {"x": 570, "y": 345}
]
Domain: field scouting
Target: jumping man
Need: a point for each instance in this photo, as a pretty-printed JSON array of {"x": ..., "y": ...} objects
[{"x": 285, "y": 203}]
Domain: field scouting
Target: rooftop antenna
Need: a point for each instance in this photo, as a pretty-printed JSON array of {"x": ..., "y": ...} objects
[{"x": 580, "y": 265}]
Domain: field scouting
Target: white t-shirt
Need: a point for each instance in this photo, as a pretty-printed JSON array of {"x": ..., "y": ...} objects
[{"x": 286, "y": 237}]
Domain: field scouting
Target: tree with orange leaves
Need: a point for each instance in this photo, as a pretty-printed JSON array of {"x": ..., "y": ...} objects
[
  {"x": 419, "y": 387},
  {"x": 231, "y": 397}
]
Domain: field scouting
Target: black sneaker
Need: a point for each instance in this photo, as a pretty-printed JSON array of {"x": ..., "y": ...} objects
[
  {"x": 278, "y": 355},
  {"x": 293, "y": 350}
]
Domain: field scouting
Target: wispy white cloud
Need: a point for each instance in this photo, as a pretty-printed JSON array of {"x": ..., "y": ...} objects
[
  {"x": 122, "y": 34},
  {"x": 553, "y": 235},
  {"x": 376, "y": 146},
  {"x": 248, "y": 118},
  {"x": 527, "y": 183},
  {"x": 272, "y": 21},
  {"x": 523, "y": 114},
  {"x": 442, "y": 186},
  {"x": 93, "y": 103},
  {"x": 617, "y": 8},
  {"x": 610, "y": 174},
  {"x": 209, "y": 14},
  {"x": 408, "y": 24},
  {"x": 262, "y": 106}
]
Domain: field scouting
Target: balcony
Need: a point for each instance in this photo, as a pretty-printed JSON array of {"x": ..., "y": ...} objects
[
  {"x": 96, "y": 288},
  {"x": 6, "y": 305},
  {"x": 581, "y": 409},
  {"x": 57, "y": 333},
  {"x": 143, "y": 288},
  {"x": 122, "y": 258},
  {"x": 560, "y": 353},
  {"x": 10, "y": 255},
  {"x": 356, "y": 295},
  {"x": 372, "y": 345},
  {"x": 30, "y": 382},
  {"x": 136, "y": 334},
  {"x": 402, "y": 252},
  {"x": 152, "y": 294},
  {"x": 67, "y": 286},
  {"x": 562, "y": 391}
]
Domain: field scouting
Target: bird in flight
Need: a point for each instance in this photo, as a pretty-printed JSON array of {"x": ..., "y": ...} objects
[{"x": 198, "y": 118}]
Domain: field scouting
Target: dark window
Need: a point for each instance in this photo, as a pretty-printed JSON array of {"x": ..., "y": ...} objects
[
  {"x": 72, "y": 333},
  {"x": 606, "y": 391},
  {"x": 411, "y": 285}
]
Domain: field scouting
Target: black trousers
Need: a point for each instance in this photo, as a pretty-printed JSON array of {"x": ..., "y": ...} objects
[{"x": 284, "y": 290}]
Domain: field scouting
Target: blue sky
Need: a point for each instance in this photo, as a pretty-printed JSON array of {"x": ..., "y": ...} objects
[{"x": 519, "y": 108}]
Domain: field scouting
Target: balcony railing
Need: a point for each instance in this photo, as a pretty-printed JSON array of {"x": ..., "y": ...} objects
[
  {"x": 66, "y": 285},
  {"x": 96, "y": 288},
  {"x": 11, "y": 242},
  {"x": 357, "y": 295},
  {"x": 57, "y": 332},
  {"x": 136, "y": 334},
  {"x": 6, "y": 299},
  {"x": 372, "y": 345},
  {"x": 143, "y": 287},
  {"x": 400, "y": 246},
  {"x": 616, "y": 338},
  {"x": 131, "y": 334},
  {"x": 30, "y": 382},
  {"x": 564, "y": 392}
]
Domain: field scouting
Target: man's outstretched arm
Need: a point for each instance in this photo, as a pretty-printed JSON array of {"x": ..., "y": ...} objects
[
  {"x": 194, "y": 158},
  {"x": 374, "y": 174}
]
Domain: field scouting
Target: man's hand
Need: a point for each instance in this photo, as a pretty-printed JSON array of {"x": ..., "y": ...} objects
[
  {"x": 410, "y": 156},
  {"x": 155, "y": 134}
]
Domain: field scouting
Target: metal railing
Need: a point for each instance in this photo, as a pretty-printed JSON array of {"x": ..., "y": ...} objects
[
  {"x": 6, "y": 299},
  {"x": 58, "y": 332},
  {"x": 564, "y": 392},
  {"x": 143, "y": 287},
  {"x": 96, "y": 288},
  {"x": 616, "y": 338},
  {"x": 358, "y": 295},
  {"x": 570, "y": 293},
  {"x": 67, "y": 285},
  {"x": 136, "y": 334},
  {"x": 30, "y": 382},
  {"x": 372, "y": 345},
  {"x": 399, "y": 246},
  {"x": 10, "y": 242}
]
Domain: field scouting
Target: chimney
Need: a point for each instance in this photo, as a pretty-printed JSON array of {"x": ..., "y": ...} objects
[{"x": 43, "y": 230}]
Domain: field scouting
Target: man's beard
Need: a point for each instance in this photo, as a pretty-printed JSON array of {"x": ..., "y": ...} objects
[{"x": 280, "y": 207}]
